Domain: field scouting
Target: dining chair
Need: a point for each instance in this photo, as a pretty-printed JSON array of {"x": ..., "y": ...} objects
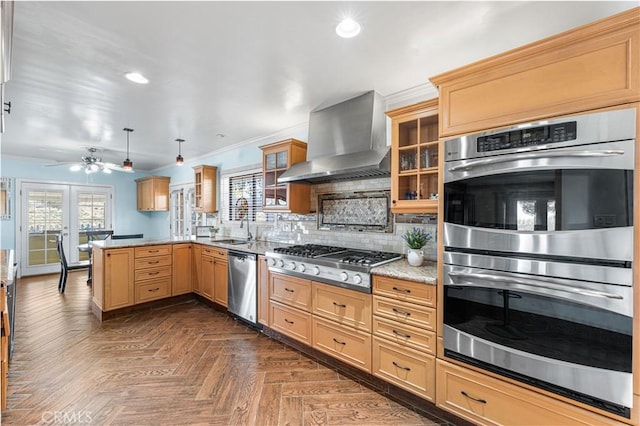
[
  {"x": 65, "y": 267},
  {"x": 99, "y": 234}
]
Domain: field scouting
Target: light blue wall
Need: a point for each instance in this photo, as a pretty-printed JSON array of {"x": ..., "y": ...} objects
[{"x": 127, "y": 220}]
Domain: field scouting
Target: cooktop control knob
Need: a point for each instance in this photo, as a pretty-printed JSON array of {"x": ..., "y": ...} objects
[
  {"x": 293, "y": 266},
  {"x": 357, "y": 279},
  {"x": 273, "y": 262},
  {"x": 344, "y": 276},
  {"x": 316, "y": 270},
  {"x": 301, "y": 268},
  {"x": 281, "y": 263}
]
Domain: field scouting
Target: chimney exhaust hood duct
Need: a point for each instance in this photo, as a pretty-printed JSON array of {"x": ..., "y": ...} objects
[{"x": 347, "y": 141}]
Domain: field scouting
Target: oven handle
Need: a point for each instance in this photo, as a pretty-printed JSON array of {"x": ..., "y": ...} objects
[
  {"x": 533, "y": 155},
  {"x": 541, "y": 283}
]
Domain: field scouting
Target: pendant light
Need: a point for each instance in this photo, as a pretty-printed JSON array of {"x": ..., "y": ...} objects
[
  {"x": 179, "y": 159},
  {"x": 127, "y": 164}
]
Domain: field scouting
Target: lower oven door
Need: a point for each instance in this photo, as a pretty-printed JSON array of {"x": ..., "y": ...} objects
[{"x": 567, "y": 336}]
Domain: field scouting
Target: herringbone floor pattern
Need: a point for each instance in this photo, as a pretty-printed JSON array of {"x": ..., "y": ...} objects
[{"x": 184, "y": 364}]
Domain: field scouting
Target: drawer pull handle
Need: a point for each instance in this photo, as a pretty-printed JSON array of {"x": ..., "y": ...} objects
[
  {"x": 398, "y": 311},
  {"x": 401, "y": 367},
  {"x": 482, "y": 401},
  {"x": 289, "y": 290},
  {"x": 397, "y": 333},
  {"x": 153, "y": 251},
  {"x": 339, "y": 342},
  {"x": 154, "y": 262},
  {"x": 153, "y": 290},
  {"x": 339, "y": 305},
  {"x": 287, "y": 321},
  {"x": 401, "y": 290},
  {"x": 154, "y": 273}
]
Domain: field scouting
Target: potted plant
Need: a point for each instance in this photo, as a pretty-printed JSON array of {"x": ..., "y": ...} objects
[
  {"x": 416, "y": 238},
  {"x": 213, "y": 230}
]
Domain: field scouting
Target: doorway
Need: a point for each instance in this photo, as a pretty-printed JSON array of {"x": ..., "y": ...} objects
[{"x": 50, "y": 209}]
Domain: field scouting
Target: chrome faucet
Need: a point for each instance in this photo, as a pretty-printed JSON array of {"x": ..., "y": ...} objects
[{"x": 249, "y": 236}]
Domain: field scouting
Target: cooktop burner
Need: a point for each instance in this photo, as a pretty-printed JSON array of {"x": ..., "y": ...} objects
[
  {"x": 362, "y": 257},
  {"x": 308, "y": 250}
]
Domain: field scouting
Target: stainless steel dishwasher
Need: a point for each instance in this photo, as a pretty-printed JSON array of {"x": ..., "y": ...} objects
[{"x": 243, "y": 286}]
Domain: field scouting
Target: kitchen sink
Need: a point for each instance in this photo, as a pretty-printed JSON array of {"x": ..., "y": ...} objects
[{"x": 232, "y": 241}]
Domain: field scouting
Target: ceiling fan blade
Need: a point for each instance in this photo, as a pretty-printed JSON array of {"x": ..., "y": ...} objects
[
  {"x": 67, "y": 163},
  {"x": 115, "y": 167}
]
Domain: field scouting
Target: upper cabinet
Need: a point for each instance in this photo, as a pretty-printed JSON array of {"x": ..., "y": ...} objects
[
  {"x": 153, "y": 193},
  {"x": 283, "y": 197},
  {"x": 414, "y": 158},
  {"x": 205, "y": 189},
  {"x": 593, "y": 66}
]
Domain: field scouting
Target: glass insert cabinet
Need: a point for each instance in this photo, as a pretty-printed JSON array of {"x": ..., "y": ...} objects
[
  {"x": 414, "y": 158},
  {"x": 284, "y": 197}
]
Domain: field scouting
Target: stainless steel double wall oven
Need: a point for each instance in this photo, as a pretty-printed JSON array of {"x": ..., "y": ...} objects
[{"x": 538, "y": 240}]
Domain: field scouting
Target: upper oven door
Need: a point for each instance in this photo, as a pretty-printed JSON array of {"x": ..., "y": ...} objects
[{"x": 571, "y": 201}]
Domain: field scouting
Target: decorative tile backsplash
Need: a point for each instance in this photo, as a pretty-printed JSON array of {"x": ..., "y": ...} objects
[
  {"x": 362, "y": 211},
  {"x": 303, "y": 229}
]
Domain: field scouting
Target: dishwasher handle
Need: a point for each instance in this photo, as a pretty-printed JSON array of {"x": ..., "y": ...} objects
[{"x": 242, "y": 255}]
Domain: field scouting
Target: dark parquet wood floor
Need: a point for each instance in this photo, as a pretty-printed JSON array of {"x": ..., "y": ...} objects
[{"x": 184, "y": 364}]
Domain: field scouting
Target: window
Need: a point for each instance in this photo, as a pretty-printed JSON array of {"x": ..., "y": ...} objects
[{"x": 242, "y": 194}]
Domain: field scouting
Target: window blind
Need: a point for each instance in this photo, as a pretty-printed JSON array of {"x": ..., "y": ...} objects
[{"x": 245, "y": 196}]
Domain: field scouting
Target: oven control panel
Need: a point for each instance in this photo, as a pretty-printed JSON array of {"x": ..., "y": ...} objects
[
  {"x": 531, "y": 136},
  {"x": 345, "y": 278}
]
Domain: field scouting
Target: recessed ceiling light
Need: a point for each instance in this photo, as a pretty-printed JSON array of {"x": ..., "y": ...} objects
[
  {"x": 348, "y": 28},
  {"x": 136, "y": 77}
]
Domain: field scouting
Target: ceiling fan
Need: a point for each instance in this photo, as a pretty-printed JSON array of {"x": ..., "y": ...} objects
[{"x": 92, "y": 164}]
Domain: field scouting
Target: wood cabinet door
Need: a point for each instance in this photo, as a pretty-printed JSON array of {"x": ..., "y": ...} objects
[
  {"x": 196, "y": 269},
  {"x": 145, "y": 195},
  {"x": 118, "y": 278},
  {"x": 207, "y": 277},
  {"x": 182, "y": 269},
  {"x": 263, "y": 291},
  {"x": 220, "y": 278}
]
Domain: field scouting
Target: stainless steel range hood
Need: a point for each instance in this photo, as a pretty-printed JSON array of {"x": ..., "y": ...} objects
[{"x": 346, "y": 141}]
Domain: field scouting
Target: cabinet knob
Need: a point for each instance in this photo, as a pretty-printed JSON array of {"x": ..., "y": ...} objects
[{"x": 393, "y": 201}]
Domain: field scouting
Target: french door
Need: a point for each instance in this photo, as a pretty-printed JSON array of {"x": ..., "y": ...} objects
[
  {"x": 184, "y": 218},
  {"x": 48, "y": 210}
]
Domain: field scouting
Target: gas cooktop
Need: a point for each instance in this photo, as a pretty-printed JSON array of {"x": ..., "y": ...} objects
[{"x": 349, "y": 268}]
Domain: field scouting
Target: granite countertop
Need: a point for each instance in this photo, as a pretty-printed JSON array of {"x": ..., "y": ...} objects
[
  {"x": 399, "y": 269},
  {"x": 258, "y": 247},
  {"x": 402, "y": 270}
]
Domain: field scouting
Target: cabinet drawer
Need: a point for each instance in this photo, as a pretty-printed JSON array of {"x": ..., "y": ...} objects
[
  {"x": 152, "y": 262},
  {"x": 405, "y": 291},
  {"x": 347, "y": 307},
  {"x": 152, "y": 290},
  {"x": 409, "y": 369},
  {"x": 344, "y": 343},
  {"x": 405, "y": 335},
  {"x": 291, "y": 291},
  {"x": 292, "y": 322},
  {"x": 404, "y": 313},
  {"x": 153, "y": 251},
  {"x": 485, "y": 400},
  {"x": 215, "y": 252},
  {"x": 152, "y": 273}
]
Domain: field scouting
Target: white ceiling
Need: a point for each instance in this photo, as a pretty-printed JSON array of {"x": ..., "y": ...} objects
[{"x": 241, "y": 69}]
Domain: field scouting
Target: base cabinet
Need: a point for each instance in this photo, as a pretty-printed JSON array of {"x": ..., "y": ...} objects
[
  {"x": 404, "y": 342},
  {"x": 153, "y": 265},
  {"x": 407, "y": 368},
  {"x": 113, "y": 278},
  {"x": 263, "y": 291},
  {"x": 220, "y": 277},
  {"x": 206, "y": 277},
  {"x": 196, "y": 269},
  {"x": 182, "y": 269},
  {"x": 485, "y": 400}
]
